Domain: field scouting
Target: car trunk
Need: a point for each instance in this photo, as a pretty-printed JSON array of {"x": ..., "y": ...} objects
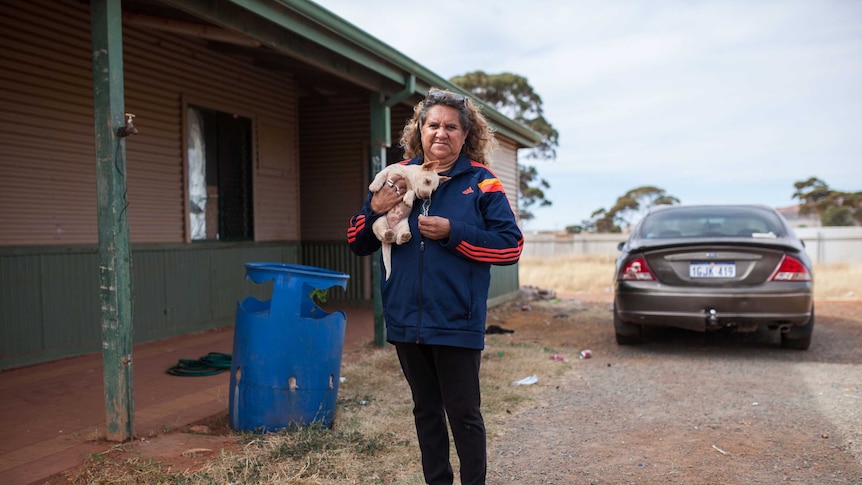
[{"x": 726, "y": 265}]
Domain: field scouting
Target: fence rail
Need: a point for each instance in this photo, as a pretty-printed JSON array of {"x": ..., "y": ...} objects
[{"x": 825, "y": 245}]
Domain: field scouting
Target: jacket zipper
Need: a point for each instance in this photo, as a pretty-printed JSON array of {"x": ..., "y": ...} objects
[{"x": 421, "y": 265}]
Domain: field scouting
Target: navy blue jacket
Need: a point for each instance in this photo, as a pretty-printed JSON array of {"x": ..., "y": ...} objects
[{"x": 438, "y": 290}]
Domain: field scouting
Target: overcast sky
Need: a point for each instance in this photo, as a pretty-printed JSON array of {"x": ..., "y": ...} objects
[{"x": 723, "y": 101}]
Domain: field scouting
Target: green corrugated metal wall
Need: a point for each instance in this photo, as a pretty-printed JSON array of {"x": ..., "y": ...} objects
[
  {"x": 50, "y": 304},
  {"x": 504, "y": 284}
]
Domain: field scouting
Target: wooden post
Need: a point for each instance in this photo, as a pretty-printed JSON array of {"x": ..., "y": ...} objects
[
  {"x": 115, "y": 292},
  {"x": 379, "y": 141}
]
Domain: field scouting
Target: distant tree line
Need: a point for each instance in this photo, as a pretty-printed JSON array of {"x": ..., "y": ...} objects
[{"x": 833, "y": 207}]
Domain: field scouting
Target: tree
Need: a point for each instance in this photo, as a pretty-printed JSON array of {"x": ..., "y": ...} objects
[
  {"x": 837, "y": 216},
  {"x": 513, "y": 96},
  {"x": 531, "y": 194},
  {"x": 835, "y": 208},
  {"x": 629, "y": 209}
]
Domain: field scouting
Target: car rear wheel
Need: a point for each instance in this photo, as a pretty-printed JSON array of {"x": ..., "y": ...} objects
[
  {"x": 627, "y": 333},
  {"x": 799, "y": 338}
]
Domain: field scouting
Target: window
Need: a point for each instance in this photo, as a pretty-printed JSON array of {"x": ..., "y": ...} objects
[
  {"x": 711, "y": 222},
  {"x": 220, "y": 173}
]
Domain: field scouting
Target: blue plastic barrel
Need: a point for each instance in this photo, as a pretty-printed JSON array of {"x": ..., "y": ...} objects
[{"x": 286, "y": 360}]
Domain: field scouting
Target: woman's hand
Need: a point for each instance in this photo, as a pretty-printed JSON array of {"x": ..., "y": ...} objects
[
  {"x": 390, "y": 195},
  {"x": 434, "y": 227}
]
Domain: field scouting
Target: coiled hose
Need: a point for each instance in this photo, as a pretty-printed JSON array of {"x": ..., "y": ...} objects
[{"x": 208, "y": 365}]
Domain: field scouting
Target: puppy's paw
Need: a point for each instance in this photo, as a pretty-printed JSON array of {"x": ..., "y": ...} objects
[{"x": 403, "y": 238}]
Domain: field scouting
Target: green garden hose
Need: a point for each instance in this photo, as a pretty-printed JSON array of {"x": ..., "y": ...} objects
[{"x": 208, "y": 365}]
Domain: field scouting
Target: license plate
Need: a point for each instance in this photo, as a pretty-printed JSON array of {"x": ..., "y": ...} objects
[{"x": 712, "y": 270}]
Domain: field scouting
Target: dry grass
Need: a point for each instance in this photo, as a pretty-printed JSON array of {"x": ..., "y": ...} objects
[
  {"x": 594, "y": 273},
  {"x": 372, "y": 440},
  {"x": 837, "y": 281},
  {"x": 588, "y": 273}
]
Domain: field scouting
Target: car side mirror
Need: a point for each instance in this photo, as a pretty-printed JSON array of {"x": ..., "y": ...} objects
[{"x": 620, "y": 246}]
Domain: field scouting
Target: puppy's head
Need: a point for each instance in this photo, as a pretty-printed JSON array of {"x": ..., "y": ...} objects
[{"x": 427, "y": 180}]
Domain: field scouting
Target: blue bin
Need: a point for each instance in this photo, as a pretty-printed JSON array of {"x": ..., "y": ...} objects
[{"x": 287, "y": 351}]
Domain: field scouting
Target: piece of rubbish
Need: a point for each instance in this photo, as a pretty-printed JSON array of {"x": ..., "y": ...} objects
[
  {"x": 526, "y": 381},
  {"x": 196, "y": 452},
  {"x": 534, "y": 293},
  {"x": 719, "y": 450},
  {"x": 497, "y": 329},
  {"x": 586, "y": 353},
  {"x": 558, "y": 357},
  {"x": 526, "y": 308},
  {"x": 342, "y": 380}
]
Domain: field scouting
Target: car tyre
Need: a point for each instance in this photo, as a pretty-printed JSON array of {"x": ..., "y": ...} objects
[
  {"x": 627, "y": 333},
  {"x": 799, "y": 338}
]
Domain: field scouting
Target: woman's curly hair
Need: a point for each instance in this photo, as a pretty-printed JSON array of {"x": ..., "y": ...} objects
[{"x": 479, "y": 143}]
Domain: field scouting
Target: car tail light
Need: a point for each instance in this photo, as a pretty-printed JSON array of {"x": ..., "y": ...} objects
[
  {"x": 636, "y": 269},
  {"x": 790, "y": 269}
]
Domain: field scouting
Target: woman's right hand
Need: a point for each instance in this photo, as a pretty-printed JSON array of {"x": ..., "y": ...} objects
[{"x": 389, "y": 195}]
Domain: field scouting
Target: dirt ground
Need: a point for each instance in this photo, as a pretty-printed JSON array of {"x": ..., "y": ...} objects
[
  {"x": 684, "y": 408},
  {"x": 687, "y": 407}
]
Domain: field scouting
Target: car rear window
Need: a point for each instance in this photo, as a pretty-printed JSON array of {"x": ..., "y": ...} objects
[{"x": 712, "y": 222}]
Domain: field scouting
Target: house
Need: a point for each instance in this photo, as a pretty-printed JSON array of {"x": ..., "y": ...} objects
[
  {"x": 259, "y": 125},
  {"x": 795, "y": 219}
]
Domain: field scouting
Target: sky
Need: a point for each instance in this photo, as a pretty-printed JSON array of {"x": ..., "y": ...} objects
[{"x": 721, "y": 101}]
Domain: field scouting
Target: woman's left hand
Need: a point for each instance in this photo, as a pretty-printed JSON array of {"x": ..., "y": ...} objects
[
  {"x": 390, "y": 195},
  {"x": 434, "y": 227}
]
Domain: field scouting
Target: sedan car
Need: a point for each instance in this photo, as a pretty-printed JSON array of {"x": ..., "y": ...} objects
[{"x": 710, "y": 267}]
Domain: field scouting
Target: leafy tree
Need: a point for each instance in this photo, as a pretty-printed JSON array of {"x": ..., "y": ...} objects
[
  {"x": 513, "y": 96},
  {"x": 837, "y": 216},
  {"x": 835, "y": 208},
  {"x": 531, "y": 194},
  {"x": 629, "y": 209}
]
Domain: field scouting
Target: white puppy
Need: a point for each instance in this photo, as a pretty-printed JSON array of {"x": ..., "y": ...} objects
[{"x": 421, "y": 181}]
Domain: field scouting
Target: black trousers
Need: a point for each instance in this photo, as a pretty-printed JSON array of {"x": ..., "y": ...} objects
[{"x": 444, "y": 382}]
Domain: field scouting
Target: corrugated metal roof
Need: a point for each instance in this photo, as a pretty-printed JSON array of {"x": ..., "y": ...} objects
[{"x": 359, "y": 57}]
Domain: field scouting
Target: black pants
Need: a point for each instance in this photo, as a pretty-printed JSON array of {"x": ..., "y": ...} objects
[{"x": 445, "y": 382}]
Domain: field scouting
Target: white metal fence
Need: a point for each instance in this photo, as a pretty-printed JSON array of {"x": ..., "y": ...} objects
[
  {"x": 825, "y": 245},
  {"x": 832, "y": 245}
]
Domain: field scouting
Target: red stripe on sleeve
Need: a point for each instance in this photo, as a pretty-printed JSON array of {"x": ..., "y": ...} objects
[
  {"x": 491, "y": 255},
  {"x": 356, "y": 226},
  {"x": 491, "y": 185}
]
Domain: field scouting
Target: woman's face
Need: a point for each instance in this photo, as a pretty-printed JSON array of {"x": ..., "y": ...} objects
[{"x": 442, "y": 135}]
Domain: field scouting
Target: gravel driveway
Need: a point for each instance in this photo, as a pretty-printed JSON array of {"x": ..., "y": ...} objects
[{"x": 686, "y": 408}]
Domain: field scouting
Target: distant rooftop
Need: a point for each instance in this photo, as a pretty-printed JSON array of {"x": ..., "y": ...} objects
[{"x": 791, "y": 213}]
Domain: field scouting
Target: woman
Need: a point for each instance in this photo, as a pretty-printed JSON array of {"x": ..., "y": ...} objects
[{"x": 435, "y": 300}]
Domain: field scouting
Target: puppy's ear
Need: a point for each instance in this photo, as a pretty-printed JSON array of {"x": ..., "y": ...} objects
[
  {"x": 430, "y": 165},
  {"x": 444, "y": 178}
]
